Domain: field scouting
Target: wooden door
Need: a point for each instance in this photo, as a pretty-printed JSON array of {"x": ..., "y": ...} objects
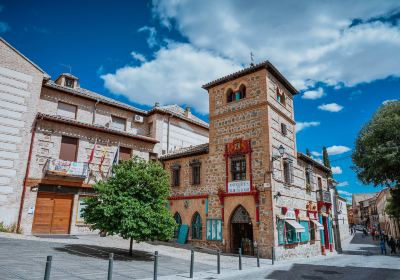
[
  {"x": 69, "y": 148},
  {"x": 52, "y": 213}
]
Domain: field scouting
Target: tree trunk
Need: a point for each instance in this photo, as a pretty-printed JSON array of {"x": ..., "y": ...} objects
[{"x": 130, "y": 247}]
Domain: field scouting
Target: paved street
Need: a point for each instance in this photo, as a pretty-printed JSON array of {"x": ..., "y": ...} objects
[{"x": 86, "y": 257}]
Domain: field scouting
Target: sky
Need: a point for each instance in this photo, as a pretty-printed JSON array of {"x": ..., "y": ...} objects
[{"x": 342, "y": 56}]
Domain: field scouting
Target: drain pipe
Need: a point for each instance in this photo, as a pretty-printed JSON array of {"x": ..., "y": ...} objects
[{"x": 28, "y": 165}]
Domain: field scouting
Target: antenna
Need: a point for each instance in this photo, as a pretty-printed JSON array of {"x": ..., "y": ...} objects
[
  {"x": 68, "y": 67},
  {"x": 252, "y": 59}
]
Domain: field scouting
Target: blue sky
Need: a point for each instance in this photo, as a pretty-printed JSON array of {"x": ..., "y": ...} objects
[{"x": 342, "y": 56}]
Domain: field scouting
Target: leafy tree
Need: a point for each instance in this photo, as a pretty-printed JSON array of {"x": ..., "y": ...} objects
[
  {"x": 377, "y": 152},
  {"x": 132, "y": 203},
  {"x": 308, "y": 153},
  {"x": 326, "y": 161}
]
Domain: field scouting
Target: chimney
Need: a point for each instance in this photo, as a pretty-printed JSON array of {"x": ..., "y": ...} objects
[{"x": 188, "y": 114}]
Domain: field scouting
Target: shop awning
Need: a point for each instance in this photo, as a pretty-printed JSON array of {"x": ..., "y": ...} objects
[
  {"x": 296, "y": 225},
  {"x": 319, "y": 226}
]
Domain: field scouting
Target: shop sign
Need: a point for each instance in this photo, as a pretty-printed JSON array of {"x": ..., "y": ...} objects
[
  {"x": 238, "y": 186},
  {"x": 290, "y": 215}
]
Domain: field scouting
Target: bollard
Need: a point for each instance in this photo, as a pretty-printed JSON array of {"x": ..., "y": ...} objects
[
  {"x": 191, "y": 263},
  {"x": 272, "y": 255},
  {"x": 110, "y": 266},
  {"x": 218, "y": 262},
  {"x": 258, "y": 258},
  {"x": 240, "y": 258},
  {"x": 48, "y": 268},
  {"x": 155, "y": 265}
]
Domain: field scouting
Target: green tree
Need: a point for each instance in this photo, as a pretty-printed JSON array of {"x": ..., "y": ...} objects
[
  {"x": 376, "y": 155},
  {"x": 325, "y": 160},
  {"x": 132, "y": 203},
  {"x": 308, "y": 153}
]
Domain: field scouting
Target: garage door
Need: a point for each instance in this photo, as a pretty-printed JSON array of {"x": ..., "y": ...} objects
[{"x": 52, "y": 213}]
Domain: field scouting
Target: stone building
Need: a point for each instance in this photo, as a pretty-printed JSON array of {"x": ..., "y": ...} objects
[
  {"x": 386, "y": 223},
  {"x": 52, "y": 154},
  {"x": 20, "y": 85},
  {"x": 343, "y": 220},
  {"x": 249, "y": 188},
  {"x": 360, "y": 209}
]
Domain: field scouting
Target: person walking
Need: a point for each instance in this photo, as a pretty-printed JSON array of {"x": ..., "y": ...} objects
[
  {"x": 392, "y": 245},
  {"x": 383, "y": 246}
]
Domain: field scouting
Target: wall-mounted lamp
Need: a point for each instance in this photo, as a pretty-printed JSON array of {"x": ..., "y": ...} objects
[
  {"x": 281, "y": 151},
  {"x": 277, "y": 195}
]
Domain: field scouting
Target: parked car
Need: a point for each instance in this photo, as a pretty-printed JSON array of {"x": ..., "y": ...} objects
[{"x": 359, "y": 227}]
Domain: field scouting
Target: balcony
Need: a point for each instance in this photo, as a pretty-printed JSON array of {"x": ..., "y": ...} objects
[
  {"x": 64, "y": 168},
  {"x": 324, "y": 196}
]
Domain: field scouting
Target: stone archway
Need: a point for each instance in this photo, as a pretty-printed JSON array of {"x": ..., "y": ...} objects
[{"x": 241, "y": 229}]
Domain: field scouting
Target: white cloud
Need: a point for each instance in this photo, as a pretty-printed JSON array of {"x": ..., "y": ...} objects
[
  {"x": 313, "y": 94},
  {"x": 138, "y": 56},
  {"x": 174, "y": 76},
  {"x": 151, "y": 39},
  {"x": 337, "y": 150},
  {"x": 337, "y": 170},
  {"x": 331, "y": 107},
  {"x": 316, "y": 154},
  {"x": 343, "y": 184},
  {"x": 317, "y": 44},
  {"x": 344, "y": 193},
  {"x": 303, "y": 125},
  {"x": 388, "y": 101}
]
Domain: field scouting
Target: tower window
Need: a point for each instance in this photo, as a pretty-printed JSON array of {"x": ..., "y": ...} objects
[
  {"x": 283, "y": 129},
  {"x": 236, "y": 95},
  {"x": 280, "y": 96}
]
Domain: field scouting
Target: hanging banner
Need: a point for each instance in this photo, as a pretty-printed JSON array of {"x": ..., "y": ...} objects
[{"x": 67, "y": 168}]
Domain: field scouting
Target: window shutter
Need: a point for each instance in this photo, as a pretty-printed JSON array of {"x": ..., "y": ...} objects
[{"x": 304, "y": 236}]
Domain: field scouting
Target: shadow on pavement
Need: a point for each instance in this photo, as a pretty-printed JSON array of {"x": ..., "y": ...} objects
[
  {"x": 321, "y": 272},
  {"x": 92, "y": 251}
]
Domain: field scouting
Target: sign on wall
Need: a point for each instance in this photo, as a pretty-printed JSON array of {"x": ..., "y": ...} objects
[
  {"x": 238, "y": 186},
  {"x": 67, "y": 168}
]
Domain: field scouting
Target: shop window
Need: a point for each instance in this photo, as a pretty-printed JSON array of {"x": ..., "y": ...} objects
[
  {"x": 238, "y": 168},
  {"x": 69, "y": 148},
  {"x": 176, "y": 170},
  {"x": 81, "y": 206},
  {"x": 196, "y": 226},
  {"x": 196, "y": 168},
  {"x": 66, "y": 110},
  {"x": 290, "y": 234},
  {"x": 178, "y": 221},
  {"x": 280, "y": 96},
  {"x": 283, "y": 129},
  {"x": 214, "y": 229},
  {"x": 304, "y": 236}
]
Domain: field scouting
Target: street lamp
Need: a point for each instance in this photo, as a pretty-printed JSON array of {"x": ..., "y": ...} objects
[{"x": 281, "y": 150}]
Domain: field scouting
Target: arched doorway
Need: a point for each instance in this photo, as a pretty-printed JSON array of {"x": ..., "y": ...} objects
[
  {"x": 241, "y": 232},
  {"x": 178, "y": 221}
]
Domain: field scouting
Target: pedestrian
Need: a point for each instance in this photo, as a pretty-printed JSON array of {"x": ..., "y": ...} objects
[
  {"x": 398, "y": 244},
  {"x": 383, "y": 246},
  {"x": 373, "y": 234},
  {"x": 392, "y": 245}
]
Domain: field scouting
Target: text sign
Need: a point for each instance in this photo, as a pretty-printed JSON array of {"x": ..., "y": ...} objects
[{"x": 238, "y": 186}]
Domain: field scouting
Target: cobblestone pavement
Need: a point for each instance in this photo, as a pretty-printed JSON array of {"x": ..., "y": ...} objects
[{"x": 25, "y": 259}]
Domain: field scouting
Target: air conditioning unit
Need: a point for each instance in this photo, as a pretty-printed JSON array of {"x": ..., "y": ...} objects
[{"x": 138, "y": 118}]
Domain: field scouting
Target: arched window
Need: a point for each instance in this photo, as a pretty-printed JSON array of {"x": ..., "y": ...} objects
[
  {"x": 229, "y": 96},
  {"x": 178, "y": 221},
  {"x": 280, "y": 96},
  {"x": 196, "y": 226},
  {"x": 236, "y": 95}
]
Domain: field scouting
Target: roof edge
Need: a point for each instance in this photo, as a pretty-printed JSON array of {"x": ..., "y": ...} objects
[
  {"x": 316, "y": 163},
  {"x": 45, "y": 75}
]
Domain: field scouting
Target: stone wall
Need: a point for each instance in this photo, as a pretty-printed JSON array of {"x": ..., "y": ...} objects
[{"x": 20, "y": 83}]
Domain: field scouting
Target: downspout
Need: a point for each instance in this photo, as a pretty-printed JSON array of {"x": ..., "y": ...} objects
[{"x": 26, "y": 176}]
